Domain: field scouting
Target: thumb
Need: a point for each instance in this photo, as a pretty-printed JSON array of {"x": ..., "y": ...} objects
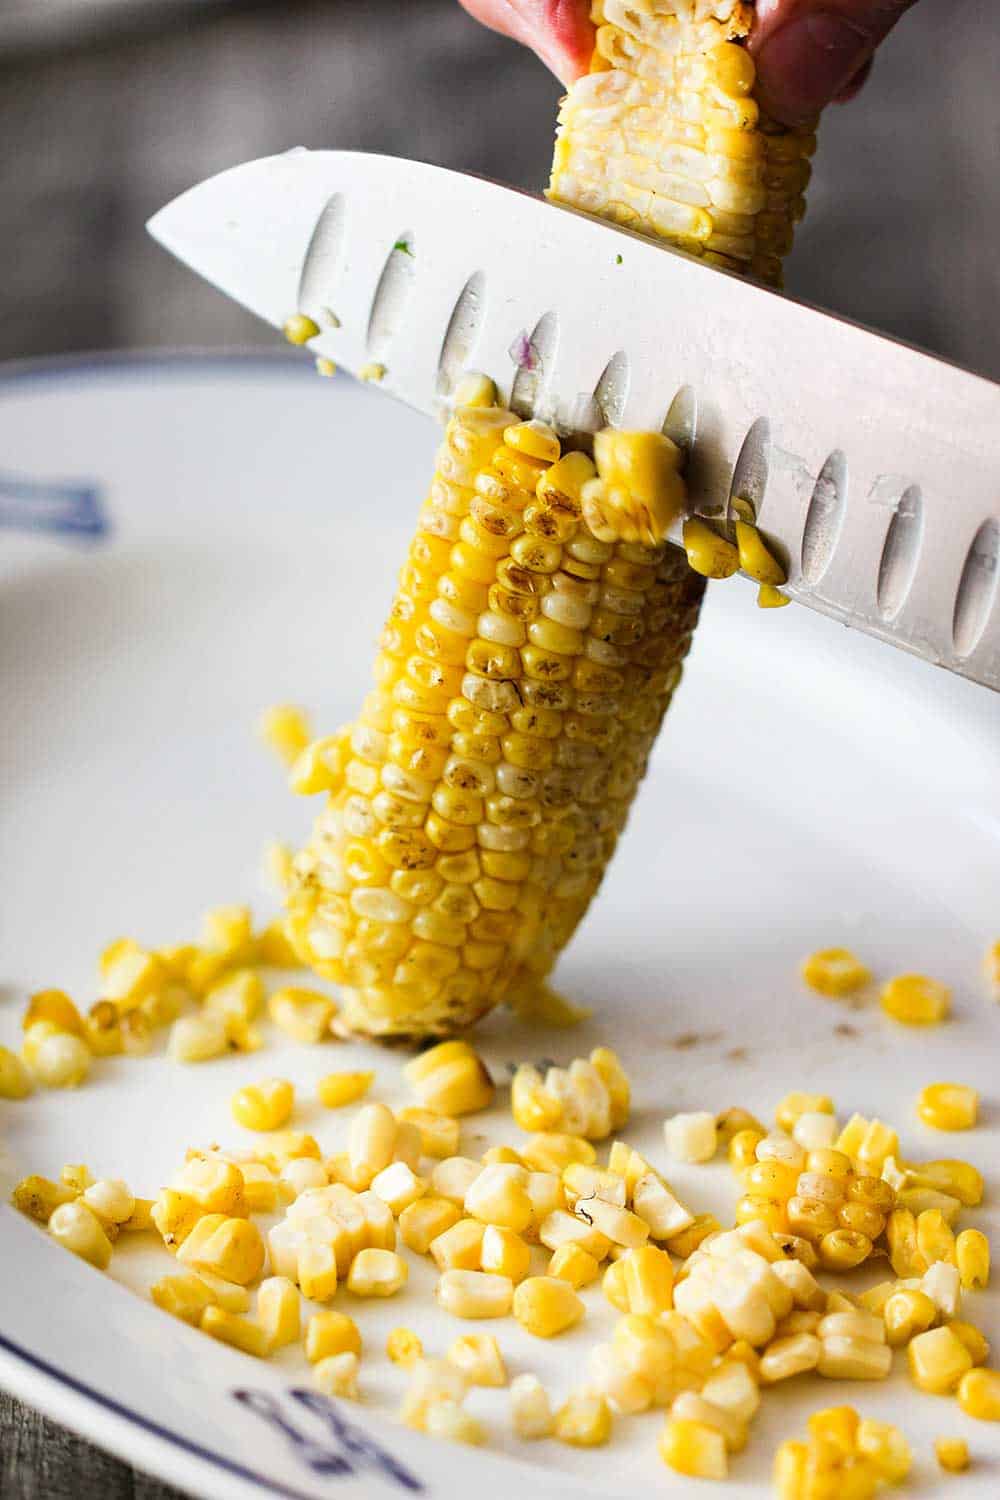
[{"x": 808, "y": 51}]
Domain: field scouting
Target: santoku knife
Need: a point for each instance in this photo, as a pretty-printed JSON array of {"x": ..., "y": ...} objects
[{"x": 874, "y": 468}]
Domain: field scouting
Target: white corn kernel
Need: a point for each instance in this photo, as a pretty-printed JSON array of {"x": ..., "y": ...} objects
[
  {"x": 452, "y": 1178},
  {"x": 377, "y": 1273},
  {"x": 398, "y": 1186},
  {"x": 691, "y": 1137},
  {"x": 78, "y": 1229},
  {"x": 793, "y": 1355},
  {"x": 530, "y": 1408},
  {"x": 814, "y": 1130},
  {"x": 372, "y": 1139},
  {"x": 475, "y": 1294},
  {"x": 337, "y": 1375}
]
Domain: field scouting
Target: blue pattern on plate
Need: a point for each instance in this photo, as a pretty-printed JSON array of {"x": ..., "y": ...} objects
[
  {"x": 353, "y": 1448},
  {"x": 72, "y": 508}
]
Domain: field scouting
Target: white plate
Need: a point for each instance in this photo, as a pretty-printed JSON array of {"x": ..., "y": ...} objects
[{"x": 811, "y": 788}]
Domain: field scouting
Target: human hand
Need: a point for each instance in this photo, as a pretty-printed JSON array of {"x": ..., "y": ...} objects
[{"x": 807, "y": 52}]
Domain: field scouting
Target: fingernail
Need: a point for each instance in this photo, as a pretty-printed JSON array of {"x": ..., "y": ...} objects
[{"x": 806, "y": 62}]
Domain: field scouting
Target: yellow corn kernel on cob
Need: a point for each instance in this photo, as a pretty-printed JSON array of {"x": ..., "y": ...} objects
[
  {"x": 664, "y": 136},
  {"x": 524, "y": 670}
]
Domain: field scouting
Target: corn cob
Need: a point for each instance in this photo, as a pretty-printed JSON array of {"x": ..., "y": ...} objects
[
  {"x": 523, "y": 674},
  {"x": 664, "y": 136}
]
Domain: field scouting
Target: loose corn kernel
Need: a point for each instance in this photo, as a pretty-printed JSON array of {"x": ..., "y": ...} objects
[
  {"x": 691, "y": 1137},
  {"x": 231, "y": 1328},
  {"x": 845, "y": 1358},
  {"x": 453, "y": 1177},
  {"x": 337, "y": 1375},
  {"x": 450, "y": 1079},
  {"x": 59, "y": 1060},
  {"x": 553, "y": 1151},
  {"x": 238, "y": 997},
  {"x": 299, "y": 329},
  {"x": 972, "y": 1256},
  {"x": 374, "y": 373},
  {"x": 916, "y": 1000},
  {"x": 734, "y": 1388},
  {"x": 225, "y": 1294},
  {"x": 404, "y": 1347},
  {"x": 475, "y": 1294},
  {"x": 708, "y": 553},
  {"x": 141, "y": 1218},
  {"x": 76, "y": 1228},
  {"x": 546, "y": 1306},
  {"x": 104, "y": 1036},
  {"x": 499, "y": 1196},
  {"x": 648, "y": 1280},
  {"x": 769, "y": 597},
  {"x": 907, "y": 1313},
  {"x": 315, "y": 1268},
  {"x": 284, "y": 728},
  {"x": 274, "y": 946},
  {"x": 943, "y": 1286},
  {"x": 175, "y": 1214},
  {"x": 433, "y": 1380},
  {"x": 232, "y": 1248},
  {"x": 266, "y": 1105},
  {"x": 198, "y": 1038},
  {"x": 56, "y": 1007},
  {"x": 39, "y": 1198},
  {"x": 973, "y": 1339},
  {"x": 299, "y": 1175},
  {"x": 742, "y": 1150},
  {"x": 439, "y": 1134},
  {"x": 834, "y": 972},
  {"x": 694, "y": 1449},
  {"x": 835, "y": 1428},
  {"x": 449, "y": 1420},
  {"x": 935, "y": 1240},
  {"x": 901, "y": 1237},
  {"x": 789, "y": 1471},
  {"x": 377, "y": 1273},
  {"x": 329, "y": 1332},
  {"x": 474, "y": 389},
  {"x": 792, "y": 1106},
  {"x": 959, "y": 1179},
  {"x": 337, "y": 1089},
  {"x": 788, "y": 1356},
  {"x": 303, "y": 1014},
  {"x": 574, "y": 1265},
  {"x": 216, "y": 1185},
  {"x": 185, "y": 1297},
  {"x": 278, "y": 1312},
  {"x": 111, "y": 1200},
  {"x": 460, "y": 1247},
  {"x": 979, "y": 1393},
  {"x": 732, "y": 1121},
  {"x": 948, "y": 1106},
  {"x": 505, "y": 1253},
  {"x": 531, "y": 1105},
  {"x": 583, "y": 1421},
  {"x": 885, "y": 1448},
  {"x": 952, "y": 1454},
  {"x": 938, "y": 1360},
  {"x": 318, "y": 767},
  {"x": 372, "y": 1139},
  {"x": 843, "y": 1249},
  {"x": 425, "y": 1221},
  {"x": 277, "y": 865},
  {"x": 478, "y": 1356},
  {"x": 501, "y": 1156},
  {"x": 398, "y": 1186},
  {"x": 530, "y": 1408}
]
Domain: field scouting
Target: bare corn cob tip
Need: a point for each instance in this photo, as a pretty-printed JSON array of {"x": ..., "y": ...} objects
[
  {"x": 524, "y": 670},
  {"x": 664, "y": 136}
]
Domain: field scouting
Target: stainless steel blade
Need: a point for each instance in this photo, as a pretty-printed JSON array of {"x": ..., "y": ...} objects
[{"x": 876, "y": 468}]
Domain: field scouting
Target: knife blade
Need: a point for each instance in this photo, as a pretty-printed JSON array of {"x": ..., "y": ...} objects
[{"x": 874, "y": 468}]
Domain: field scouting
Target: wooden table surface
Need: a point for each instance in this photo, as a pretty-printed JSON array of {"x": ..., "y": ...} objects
[{"x": 902, "y": 231}]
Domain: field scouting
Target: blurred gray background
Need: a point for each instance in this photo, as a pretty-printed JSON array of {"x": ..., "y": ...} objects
[{"x": 110, "y": 107}]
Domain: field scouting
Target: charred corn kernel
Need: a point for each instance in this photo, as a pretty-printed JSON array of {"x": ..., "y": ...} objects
[
  {"x": 972, "y": 1256},
  {"x": 231, "y": 1328},
  {"x": 973, "y": 1339},
  {"x": 425, "y": 1221},
  {"x": 15, "y": 1080},
  {"x": 299, "y": 329},
  {"x": 769, "y": 597},
  {"x": 337, "y": 1089},
  {"x": 185, "y": 1297},
  {"x": 478, "y": 1356},
  {"x": 329, "y": 1333},
  {"x": 979, "y": 1393},
  {"x": 278, "y": 1312},
  {"x": 691, "y": 1137},
  {"x": 755, "y": 558},
  {"x": 708, "y": 553},
  {"x": 110, "y": 1199},
  {"x": 475, "y": 1294},
  {"x": 553, "y": 1151},
  {"x": 916, "y": 1000},
  {"x": 938, "y": 1360},
  {"x": 952, "y": 1454},
  {"x": 233, "y": 1249},
  {"x": 788, "y": 1356},
  {"x": 439, "y": 1134},
  {"x": 303, "y": 1014},
  {"x": 571, "y": 1263},
  {"x": 337, "y": 1375},
  {"x": 546, "y": 1306},
  {"x": 583, "y": 1421},
  {"x": 266, "y": 1105},
  {"x": 794, "y": 1105},
  {"x": 505, "y": 1253},
  {"x": 885, "y": 1448},
  {"x": 948, "y": 1106},
  {"x": 835, "y": 972},
  {"x": 530, "y": 1408},
  {"x": 457, "y": 1086},
  {"x": 316, "y": 1269},
  {"x": 694, "y": 1449},
  {"x": 449, "y": 1420},
  {"x": 742, "y": 1149},
  {"x": 60, "y": 1060},
  {"x": 198, "y": 1038},
  {"x": 499, "y": 1196},
  {"x": 907, "y": 1313},
  {"x": 404, "y": 1347},
  {"x": 77, "y": 1228},
  {"x": 56, "y": 1007},
  {"x": 377, "y": 1273}
]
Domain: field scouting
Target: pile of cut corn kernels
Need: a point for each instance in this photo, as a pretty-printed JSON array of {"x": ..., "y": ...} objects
[{"x": 710, "y": 1318}]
